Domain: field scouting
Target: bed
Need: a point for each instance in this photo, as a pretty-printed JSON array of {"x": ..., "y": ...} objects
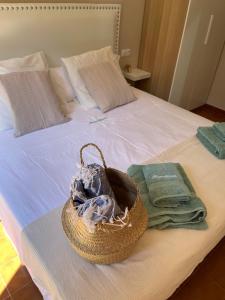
[{"x": 35, "y": 174}]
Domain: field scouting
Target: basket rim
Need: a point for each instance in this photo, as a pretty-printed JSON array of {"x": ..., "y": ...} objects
[
  {"x": 102, "y": 226},
  {"x": 131, "y": 180},
  {"x": 108, "y": 243},
  {"x": 138, "y": 231}
]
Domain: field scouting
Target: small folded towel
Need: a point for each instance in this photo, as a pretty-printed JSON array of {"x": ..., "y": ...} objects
[
  {"x": 167, "y": 184},
  {"x": 189, "y": 214},
  {"x": 211, "y": 141},
  {"x": 219, "y": 129}
]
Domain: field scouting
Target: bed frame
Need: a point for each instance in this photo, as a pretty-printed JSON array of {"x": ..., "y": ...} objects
[{"x": 59, "y": 29}]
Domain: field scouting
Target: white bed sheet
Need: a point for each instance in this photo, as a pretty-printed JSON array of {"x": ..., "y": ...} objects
[
  {"x": 161, "y": 260},
  {"x": 36, "y": 169}
]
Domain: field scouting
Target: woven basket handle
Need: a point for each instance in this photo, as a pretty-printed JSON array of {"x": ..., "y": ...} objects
[{"x": 96, "y": 147}]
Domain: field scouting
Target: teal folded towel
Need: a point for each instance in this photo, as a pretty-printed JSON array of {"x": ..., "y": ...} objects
[
  {"x": 219, "y": 129},
  {"x": 211, "y": 141},
  {"x": 190, "y": 213},
  {"x": 167, "y": 184}
]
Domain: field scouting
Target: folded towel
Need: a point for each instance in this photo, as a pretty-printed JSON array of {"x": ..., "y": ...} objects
[
  {"x": 167, "y": 184},
  {"x": 211, "y": 141},
  {"x": 189, "y": 214},
  {"x": 219, "y": 129}
]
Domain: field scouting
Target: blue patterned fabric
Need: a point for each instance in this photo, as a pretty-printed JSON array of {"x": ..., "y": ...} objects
[{"x": 93, "y": 196}]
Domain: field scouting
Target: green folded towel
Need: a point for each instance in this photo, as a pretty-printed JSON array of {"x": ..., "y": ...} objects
[
  {"x": 167, "y": 184},
  {"x": 211, "y": 141},
  {"x": 189, "y": 214},
  {"x": 219, "y": 130}
]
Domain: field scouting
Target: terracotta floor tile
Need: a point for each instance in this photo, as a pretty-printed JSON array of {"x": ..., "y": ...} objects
[
  {"x": 15, "y": 275},
  {"x": 222, "y": 243},
  {"x": 29, "y": 292},
  {"x": 199, "y": 290},
  {"x": 9, "y": 268},
  {"x": 4, "y": 294},
  {"x": 210, "y": 112},
  {"x": 7, "y": 251},
  {"x": 203, "y": 284},
  {"x": 26, "y": 273},
  {"x": 215, "y": 266}
]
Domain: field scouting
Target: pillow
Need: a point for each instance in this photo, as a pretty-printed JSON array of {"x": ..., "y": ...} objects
[
  {"x": 63, "y": 89},
  {"x": 74, "y": 63},
  {"x": 36, "y": 61},
  {"x": 61, "y": 84},
  {"x": 107, "y": 85},
  {"x": 33, "y": 101},
  {"x": 6, "y": 121},
  {"x": 33, "y": 62}
]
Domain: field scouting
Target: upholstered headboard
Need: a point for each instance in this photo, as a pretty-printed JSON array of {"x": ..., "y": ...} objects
[{"x": 60, "y": 29}]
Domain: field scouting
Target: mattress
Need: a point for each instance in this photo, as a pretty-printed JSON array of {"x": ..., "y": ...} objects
[
  {"x": 161, "y": 260},
  {"x": 36, "y": 169}
]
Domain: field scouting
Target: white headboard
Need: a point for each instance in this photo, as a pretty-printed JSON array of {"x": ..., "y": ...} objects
[{"x": 59, "y": 29}]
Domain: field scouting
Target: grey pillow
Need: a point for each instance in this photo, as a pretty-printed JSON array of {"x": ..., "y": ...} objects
[
  {"x": 33, "y": 101},
  {"x": 106, "y": 85}
]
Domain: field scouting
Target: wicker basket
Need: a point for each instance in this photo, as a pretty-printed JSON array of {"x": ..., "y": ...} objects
[{"x": 109, "y": 243}]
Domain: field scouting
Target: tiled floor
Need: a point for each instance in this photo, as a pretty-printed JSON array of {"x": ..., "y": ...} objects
[
  {"x": 15, "y": 281},
  {"x": 208, "y": 280},
  {"x": 206, "y": 283},
  {"x": 211, "y": 113}
]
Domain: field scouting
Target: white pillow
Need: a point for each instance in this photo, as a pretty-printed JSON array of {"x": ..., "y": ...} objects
[
  {"x": 74, "y": 63},
  {"x": 107, "y": 86},
  {"x": 61, "y": 84},
  {"x": 63, "y": 89},
  {"x": 33, "y": 100},
  {"x": 6, "y": 120},
  {"x": 33, "y": 62}
]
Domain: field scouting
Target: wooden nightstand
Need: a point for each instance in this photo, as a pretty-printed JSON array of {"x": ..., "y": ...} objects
[{"x": 136, "y": 75}]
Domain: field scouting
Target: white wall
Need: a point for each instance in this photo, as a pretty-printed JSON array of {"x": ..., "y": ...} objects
[
  {"x": 217, "y": 93},
  {"x": 131, "y": 26},
  {"x": 131, "y": 23}
]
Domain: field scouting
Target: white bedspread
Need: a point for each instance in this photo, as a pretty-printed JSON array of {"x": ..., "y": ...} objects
[
  {"x": 36, "y": 169},
  {"x": 161, "y": 261}
]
